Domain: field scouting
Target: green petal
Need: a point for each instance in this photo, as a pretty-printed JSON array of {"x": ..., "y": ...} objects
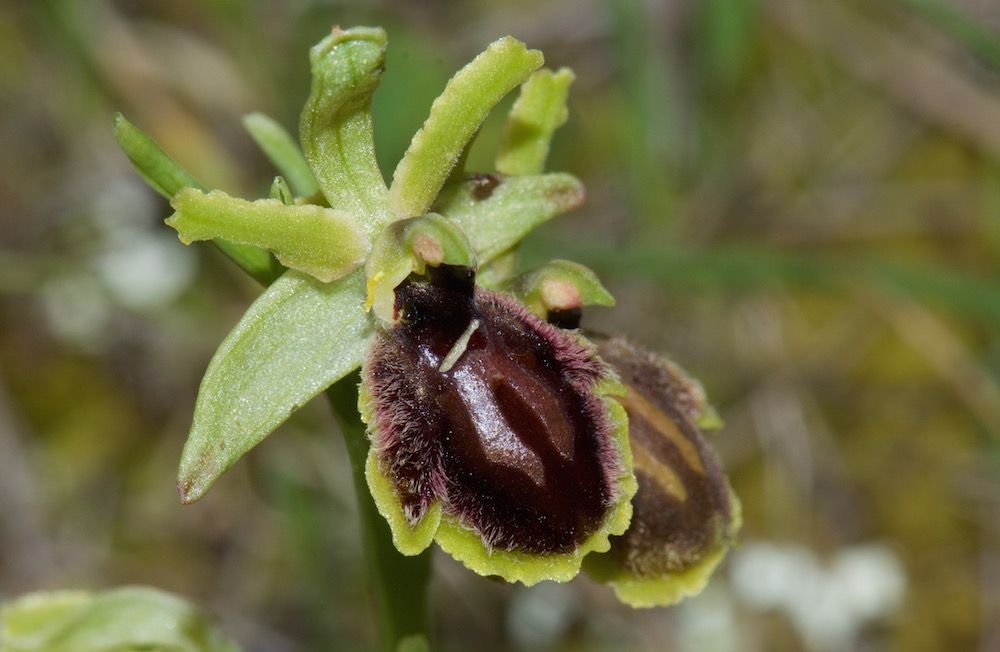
[
  {"x": 120, "y": 620},
  {"x": 558, "y": 285},
  {"x": 321, "y": 242},
  {"x": 336, "y": 123},
  {"x": 167, "y": 177},
  {"x": 282, "y": 150},
  {"x": 455, "y": 117},
  {"x": 407, "y": 246},
  {"x": 496, "y": 212},
  {"x": 466, "y": 546},
  {"x": 540, "y": 109},
  {"x": 297, "y": 339}
]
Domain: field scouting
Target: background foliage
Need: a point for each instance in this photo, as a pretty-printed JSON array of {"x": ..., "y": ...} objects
[{"x": 797, "y": 201}]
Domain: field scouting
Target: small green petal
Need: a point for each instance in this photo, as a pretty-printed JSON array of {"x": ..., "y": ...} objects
[
  {"x": 407, "y": 246},
  {"x": 167, "y": 177},
  {"x": 321, "y": 242},
  {"x": 119, "y": 620},
  {"x": 540, "y": 109},
  {"x": 558, "y": 285},
  {"x": 455, "y": 117},
  {"x": 282, "y": 150},
  {"x": 496, "y": 212},
  {"x": 336, "y": 123},
  {"x": 297, "y": 339}
]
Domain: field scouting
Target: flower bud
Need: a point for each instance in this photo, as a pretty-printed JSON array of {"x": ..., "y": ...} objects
[
  {"x": 685, "y": 515},
  {"x": 493, "y": 433}
]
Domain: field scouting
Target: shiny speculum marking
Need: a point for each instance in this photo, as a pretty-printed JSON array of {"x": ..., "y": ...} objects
[{"x": 485, "y": 407}]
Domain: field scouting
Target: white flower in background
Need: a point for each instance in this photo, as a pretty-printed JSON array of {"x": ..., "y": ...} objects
[{"x": 827, "y": 603}]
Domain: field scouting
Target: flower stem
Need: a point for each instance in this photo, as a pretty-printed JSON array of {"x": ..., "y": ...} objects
[{"x": 399, "y": 583}]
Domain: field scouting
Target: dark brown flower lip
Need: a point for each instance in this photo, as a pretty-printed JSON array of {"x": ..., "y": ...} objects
[
  {"x": 684, "y": 508},
  {"x": 509, "y": 435}
]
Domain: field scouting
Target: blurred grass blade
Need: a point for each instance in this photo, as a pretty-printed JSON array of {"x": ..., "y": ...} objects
[
  {"x": 540, "y": 109},
  {"x": 974, "y": 34},
  {"x": 336, "y": 123},
  {"x": 297, "y": 339},
  {"x": 167, "y": 177},
  {"x": 454, "y": 118},
  {"x": 497, "y": 212},
  {"x": 282, "y": 150},
  {"x": 321, "y": 242},
  {"x": 742, "y": 268},
  {"x": 119, "y": 620}
]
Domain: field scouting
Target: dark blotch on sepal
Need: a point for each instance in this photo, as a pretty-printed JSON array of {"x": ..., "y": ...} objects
[
  {"x": 684, "y": 510},
  {"x": 511, "y": 437}
]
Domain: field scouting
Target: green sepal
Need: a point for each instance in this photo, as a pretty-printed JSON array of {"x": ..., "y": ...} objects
[
  {"x": 496, "y": 212},
  {"x": 119, "y": 620},
  {"x": 166, "y": 176},
  {"x": 407, "y": 246},
  {"x": 540, "y": 109},
  {"x": 558, "y": 285},
  {"x": 298, "y": 338},
  {"x": 467, "y": 547},
  {"x": 282, "y": 150},
  {"x": 455, "y": 117},
  {"x": 499, "y": 270},
  {"x": 322, "y": 242},
  {"x": 336, "y": 123},
  {"x": 666, "y": 589}
]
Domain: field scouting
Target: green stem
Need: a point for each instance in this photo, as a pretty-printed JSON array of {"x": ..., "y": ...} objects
[{"x": 400, "y": 583}]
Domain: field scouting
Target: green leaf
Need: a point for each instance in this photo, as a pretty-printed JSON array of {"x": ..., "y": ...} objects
[
  {"x": 167, "y": 177},
  {"x": 321, "y": 242},
  {"x": 454, "y": 118},
  {"x": 540, "y": 109},
  {"x": 282, "y": 150},
  {"x": 497, "y": 212},
  {"x": 121, "y": 620},
  {"x": 336, "y": 124},
  {"x": 297, "y": 339}
]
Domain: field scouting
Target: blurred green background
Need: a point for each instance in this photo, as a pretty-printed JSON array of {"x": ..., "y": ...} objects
[{"x": 798, "y": 201}]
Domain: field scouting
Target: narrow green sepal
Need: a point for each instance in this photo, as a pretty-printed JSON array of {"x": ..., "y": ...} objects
[
  {"x": 336, "y": 123},
  {"x": 118, "y": 620},
  {"x": 298, "y": 338},
  {"x": 455, "y": 117},
  {"x": 558, "y": 285},
  {"x": 496, "y": 212},
  {"x": 167, "y": 177},
  {"x": 322, "y": 242},
  {"x": 407, "y": 246},
  {"x": 282, "y": 150},
  {"x": 540, "y": 109}
]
